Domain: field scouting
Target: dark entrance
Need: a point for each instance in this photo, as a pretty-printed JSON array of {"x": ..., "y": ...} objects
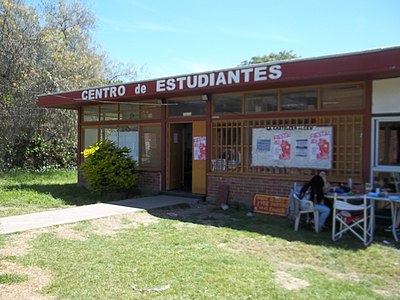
[{"x": 180, "y": 157}]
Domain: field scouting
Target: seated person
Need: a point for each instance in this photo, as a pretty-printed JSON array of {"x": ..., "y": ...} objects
[{"x": 318, "y": 185}]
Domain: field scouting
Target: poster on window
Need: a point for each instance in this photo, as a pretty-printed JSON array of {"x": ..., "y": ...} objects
[
  {"x": 292, "y": 147},
  {"x": 199, "y": 147},
  {"x": 320, "y": 142},
  {"x": 282, "y": 146}
]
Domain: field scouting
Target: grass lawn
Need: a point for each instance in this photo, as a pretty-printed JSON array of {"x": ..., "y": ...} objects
[
  {"x": 24, "y": 192},
  {"x": 195, "y": 252}
]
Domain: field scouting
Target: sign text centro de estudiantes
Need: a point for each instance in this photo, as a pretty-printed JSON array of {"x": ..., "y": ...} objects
[{"x": 187, "y": 82}]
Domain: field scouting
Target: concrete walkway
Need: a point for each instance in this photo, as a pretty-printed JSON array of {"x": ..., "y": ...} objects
[{"x": 87, "y": 212}]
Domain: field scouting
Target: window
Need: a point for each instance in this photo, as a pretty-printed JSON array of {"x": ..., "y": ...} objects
[
  {"x": 150, "y": 147},
  {"x": 144, "y": 142},
  {"x": 232, "y": 141},
  {"x": 387, "y": 181},
  {"x": 90, "y": 113},
  {"x": 90, "y": 137},
  {"x": 186, "y": 107},
  {"x": 226, "y": 146},
  {"x": 109, "y": 112},
  {"x": 150, "y": 110},
  {"x": 386, "y": 154},
  {"x": 300, "y": 100},
  {"x": 387, "y": 141},
  {"x": 342, "y": 97},
  {"x": 123, "y": 137},
  {"x": 129, "y": 111},
  {"x": 261, "y": 102},
  {"x": 225, "y": 104}
]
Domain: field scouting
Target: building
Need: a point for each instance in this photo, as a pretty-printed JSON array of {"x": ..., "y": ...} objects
[{"x": 256, "y": 128}]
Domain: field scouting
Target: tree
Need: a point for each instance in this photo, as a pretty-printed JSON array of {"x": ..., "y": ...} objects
[
  {"x": 19, "y": 36},
  {"x": 44, "y": 48},
  {"x": 282, "y": 55}
]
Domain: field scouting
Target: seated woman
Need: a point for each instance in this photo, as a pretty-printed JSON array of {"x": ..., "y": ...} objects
[{"x": 318, "y": 185}]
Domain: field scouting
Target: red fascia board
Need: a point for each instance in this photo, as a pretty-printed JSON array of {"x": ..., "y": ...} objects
[
  {"x": 368, "y": 66},
  {"x": 357, "y": 66},
  {"x": 62, "y": 100}
]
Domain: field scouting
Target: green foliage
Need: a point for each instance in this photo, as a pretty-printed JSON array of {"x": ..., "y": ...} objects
[
  {"x": 108, "y": 168},
  {"x": 282, "y": 55},
  {"x": 46, "y": 46},
  {"x": 23, "y": 191},
  {"x": 56, "y": 153}
]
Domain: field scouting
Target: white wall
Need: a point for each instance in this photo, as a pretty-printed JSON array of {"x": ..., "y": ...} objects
[{"x": 386, "y": 96}]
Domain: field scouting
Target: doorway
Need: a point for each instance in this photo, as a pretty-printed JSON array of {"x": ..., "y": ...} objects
[
  {"x": 186, "y": 168},
  {"x": 180, "y": 157}
]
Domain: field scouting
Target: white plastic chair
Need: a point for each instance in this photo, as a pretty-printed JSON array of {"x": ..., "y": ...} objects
[
  {"x": 357, "y": 219},
  {"x": 310, "y": 210}
]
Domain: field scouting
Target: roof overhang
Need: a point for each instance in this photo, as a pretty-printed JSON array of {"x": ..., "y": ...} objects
[{"x": 365, "y": 65}]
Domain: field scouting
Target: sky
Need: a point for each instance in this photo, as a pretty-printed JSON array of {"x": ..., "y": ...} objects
[{"x": 176, "y": 37}]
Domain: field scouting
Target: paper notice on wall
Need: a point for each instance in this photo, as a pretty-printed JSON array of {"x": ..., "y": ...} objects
[
  {"x": 320, "y": 144},
  {"x": 263, "y": 145},
  {"x": 301, "y": 148},
  {"x": 199, "y": 147},
  {"x": 292, "y": 147},
  {"x": 282, "y": 146}
]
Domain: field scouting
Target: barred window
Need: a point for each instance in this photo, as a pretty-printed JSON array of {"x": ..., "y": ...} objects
[{"x": 232, "y": 146}]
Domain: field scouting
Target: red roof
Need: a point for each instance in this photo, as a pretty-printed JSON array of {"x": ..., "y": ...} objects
[{"x": 366, "y": 65}]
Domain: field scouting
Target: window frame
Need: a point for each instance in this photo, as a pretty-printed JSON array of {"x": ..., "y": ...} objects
[
  {"x": 376, "y": 166},
  {"x": 140, "y": 127}
]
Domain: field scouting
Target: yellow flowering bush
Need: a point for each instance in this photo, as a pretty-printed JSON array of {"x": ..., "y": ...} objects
[
  {"x": 90, "y": 150},
  {"x": 108, "y": 168}
]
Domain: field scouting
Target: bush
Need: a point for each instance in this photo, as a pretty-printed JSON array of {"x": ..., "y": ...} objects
[
  {"x": 56, "y": 153},
  {"x": 108, "y": 168}
]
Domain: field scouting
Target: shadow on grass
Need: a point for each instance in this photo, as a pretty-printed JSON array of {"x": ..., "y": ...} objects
[
  {"x": 69, "y": 194},
  {"x": 274, "y": 226},
  {"x": 210, "y": 215}
]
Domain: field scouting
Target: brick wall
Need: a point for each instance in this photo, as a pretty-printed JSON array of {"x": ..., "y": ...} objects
[
  {"x": 81, "y": 180},
  {"x": 242, "y": 189},
  {"x": 149, "y": 182}
]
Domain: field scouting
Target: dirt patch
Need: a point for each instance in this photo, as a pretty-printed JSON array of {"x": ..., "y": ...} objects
[
  {"x": 111, "y": 225},
  {"x": 19, "y": 244},
  {"x": 290, "y": 282},
  {"x": 30, "y": 289}
]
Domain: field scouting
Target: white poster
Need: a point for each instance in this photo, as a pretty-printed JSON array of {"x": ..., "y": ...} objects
[
  {"x": 199, "y": 147},
  {"x": 320, "y": 142},
  {"x": 292, "y": 147},
  {"x": 282, "y": 145}
]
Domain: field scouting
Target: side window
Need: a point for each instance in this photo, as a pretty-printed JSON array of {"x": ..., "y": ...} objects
[
  {"x": 387, "y": 143},
  {"x": 386, "y": 154}
]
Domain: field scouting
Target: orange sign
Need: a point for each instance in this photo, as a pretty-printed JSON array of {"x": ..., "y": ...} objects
[{"x": 271, "y": 205}]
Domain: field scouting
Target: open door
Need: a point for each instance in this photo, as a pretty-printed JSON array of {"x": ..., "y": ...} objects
[
  {"x": 175, "y": 178},
  {"x": 186, "y": 159},
  {"x": 199, "y": 158}
]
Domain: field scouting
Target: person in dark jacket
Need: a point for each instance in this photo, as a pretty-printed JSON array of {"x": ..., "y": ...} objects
[{"x": 318, "y": 186}]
